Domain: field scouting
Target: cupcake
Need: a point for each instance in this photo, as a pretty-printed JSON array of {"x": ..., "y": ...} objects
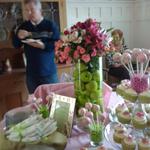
[
  {"x": 124, "y": 117},
  {"x": 144, "y": 97},
  {"x": 119, "y": 127},
  {"x": 119, "y": 136},
  {"x": 120, "y": 89},
  {"x": 121, "y": 107},
  {"x": 128, "y": 143},
  {"x": 144, "y": 144},
  {"x": 130, "y": 95},
  {"x": 139, "y": 121}
]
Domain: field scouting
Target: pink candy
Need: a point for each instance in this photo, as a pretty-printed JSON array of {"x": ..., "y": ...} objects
[
  {"x": 135, "y": 53},
  {"x": 139, "y": 83},
  {"x": 82, "y": 111},
  {"x": 147, "y": 52},
  {"x": 128, "y": 51},
  {"x": 126, "y": 58},
  {"x": 117, "y": 57},
  {"x": 88, "y": 106},
  {"x": 142, "y": 57}
]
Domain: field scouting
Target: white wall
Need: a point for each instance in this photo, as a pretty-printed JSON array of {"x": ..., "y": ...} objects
[
  {"x": 112, "y": 13},
  {"x": 142, "y": 24}
]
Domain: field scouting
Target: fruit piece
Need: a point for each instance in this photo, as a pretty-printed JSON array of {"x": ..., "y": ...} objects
[
  {"x": 81, "y": 67},
  {"x": 91, "y": 86},
  {"x": 96, "y": 75},
  {"x": 79, "y": 85},
  {"x": 95, "y": 95},
  {"x": 83, "y": 98},
  {"x": 86, "y": 76}
]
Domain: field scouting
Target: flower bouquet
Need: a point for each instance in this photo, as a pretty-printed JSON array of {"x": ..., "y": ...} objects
[{"x": 83, "y": 44}]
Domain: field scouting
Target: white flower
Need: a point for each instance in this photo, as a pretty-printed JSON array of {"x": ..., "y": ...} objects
[
  {"x": 83, "y": 32},
  {"x": 79, "y": 40},
  {"x": 73, "y": 36},
  {"x": 65, "y": 38}
]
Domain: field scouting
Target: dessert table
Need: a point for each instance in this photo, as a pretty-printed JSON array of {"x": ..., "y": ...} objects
[{"x": 79, "y": 138}]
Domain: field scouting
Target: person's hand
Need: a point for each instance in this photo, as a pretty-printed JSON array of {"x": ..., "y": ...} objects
[
  {"x": 22, "y": 34},
  {"x": 37, "y": 44}
]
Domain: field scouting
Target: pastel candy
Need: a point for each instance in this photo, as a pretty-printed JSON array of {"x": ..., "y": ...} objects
[
  {"x": 142, "y": 57},
  {"x": 139, "y": 83},
  {"x": 147, "y": 52},
  {"x": 135, "y": 53},
  {"x": 126, "y": 58},
  {"x": 128, "y": 51},
  {"x": 117, "y": 57}
]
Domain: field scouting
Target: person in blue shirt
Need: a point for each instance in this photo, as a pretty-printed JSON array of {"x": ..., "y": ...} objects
[{"x": 38, "y": 36}]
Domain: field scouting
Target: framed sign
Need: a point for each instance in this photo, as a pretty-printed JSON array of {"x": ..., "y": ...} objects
[{"x": 62, "y": 110}]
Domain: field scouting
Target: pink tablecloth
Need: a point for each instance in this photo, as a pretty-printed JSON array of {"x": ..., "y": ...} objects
[{"x": 67, "y": 89}]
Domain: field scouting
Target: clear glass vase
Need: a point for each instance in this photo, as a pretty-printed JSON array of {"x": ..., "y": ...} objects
[
  {"x": 96, "y": 134},
  {"x": 88, "y": 79}
]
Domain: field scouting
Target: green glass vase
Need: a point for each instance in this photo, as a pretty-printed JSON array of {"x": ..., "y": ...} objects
[{"x": 88, "y": 79}]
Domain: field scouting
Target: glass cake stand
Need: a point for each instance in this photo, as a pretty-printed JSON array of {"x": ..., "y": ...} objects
[{"x": 108, "y": 133}]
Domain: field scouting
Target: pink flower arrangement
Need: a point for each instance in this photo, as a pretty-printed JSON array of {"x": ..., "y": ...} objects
[{"x": 83, "y": 41}]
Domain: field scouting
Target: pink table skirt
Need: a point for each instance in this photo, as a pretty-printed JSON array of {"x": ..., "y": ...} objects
[{"x": 67, "y": 89}]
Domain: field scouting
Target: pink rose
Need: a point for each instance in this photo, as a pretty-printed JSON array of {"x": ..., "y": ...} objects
[
  {"x": 64, "y": 55},
  {"x": 81, "y": 49},
  {"x": 76, "y": 54},
  {"x": 88, "y": 40},
  {"x": 67, "y": 49},
  {"x": 61, "y": 59},
  {"x": 69, "y": 60},
  {"x": 94, "y": 53},
  {"x": 86, "y": 58}
]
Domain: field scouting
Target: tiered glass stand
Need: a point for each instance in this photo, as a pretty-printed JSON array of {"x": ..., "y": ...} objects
[{"x": 131, "y": 129}]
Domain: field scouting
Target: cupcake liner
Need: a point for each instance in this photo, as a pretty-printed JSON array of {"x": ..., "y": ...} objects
[
  {"x": 127, "y": 147},
  {"x": 138, "y": 125},
  {"x": 124, "y": 120}
]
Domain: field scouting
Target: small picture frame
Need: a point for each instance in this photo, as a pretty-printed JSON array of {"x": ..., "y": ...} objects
[{"x": 62, "y": 110}]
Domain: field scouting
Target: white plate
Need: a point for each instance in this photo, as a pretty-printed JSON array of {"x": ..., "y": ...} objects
[
  {"x": 31, "y": 41},
  {"x": 112, "y": 114},
  {"x": 108, "y": 133}
]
